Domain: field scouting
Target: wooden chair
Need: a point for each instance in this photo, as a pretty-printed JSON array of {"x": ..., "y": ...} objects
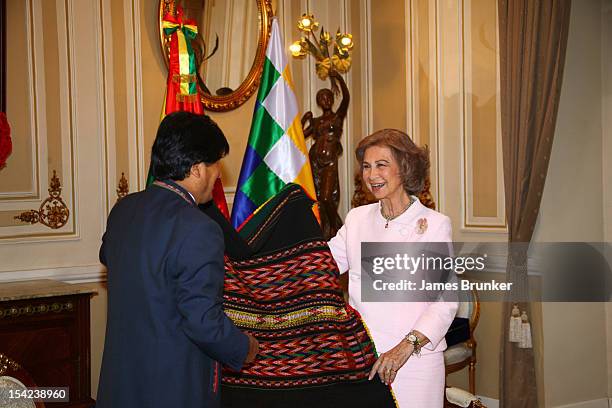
[
  {"x": 463, "y": 355},
  {"x": 14, "y": 376}
]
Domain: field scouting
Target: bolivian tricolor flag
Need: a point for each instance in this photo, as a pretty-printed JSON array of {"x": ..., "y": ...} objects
[{"x": 182, "y": 91}]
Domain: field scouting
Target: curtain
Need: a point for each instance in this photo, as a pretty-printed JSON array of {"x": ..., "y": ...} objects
[{"x": 533, "y": 41}]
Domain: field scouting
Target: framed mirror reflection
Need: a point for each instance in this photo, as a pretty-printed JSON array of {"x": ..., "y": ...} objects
[{"x": 230, "y": 46}]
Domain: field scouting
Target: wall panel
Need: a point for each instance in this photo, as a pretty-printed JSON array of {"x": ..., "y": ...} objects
[
  {"x": 452, "y": 101},
  {"x": 62, "y": 121},
  {"x": 19, "y": 179},
  {"x": 483, "y": 175},
  {"x": 44, "y": 127}
]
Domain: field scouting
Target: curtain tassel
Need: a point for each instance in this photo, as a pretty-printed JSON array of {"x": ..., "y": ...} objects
[
  {"x": 516, "y": 330},
  {"x": 525, "y": 332}
]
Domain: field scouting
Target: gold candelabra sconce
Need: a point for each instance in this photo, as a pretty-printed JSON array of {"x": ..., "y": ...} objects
[
  {"x": 53, "y": 212},
  {"x": 330, "y": 54}
]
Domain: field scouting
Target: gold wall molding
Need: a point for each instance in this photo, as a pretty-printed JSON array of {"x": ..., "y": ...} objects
[
  {"x": 53, "y": 212},
  {"x": 123, "y": 188},
  {"x": 42, "y": 308}
]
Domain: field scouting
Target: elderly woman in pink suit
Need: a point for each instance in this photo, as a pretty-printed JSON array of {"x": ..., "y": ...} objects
[{"x": 409, "y": 336}]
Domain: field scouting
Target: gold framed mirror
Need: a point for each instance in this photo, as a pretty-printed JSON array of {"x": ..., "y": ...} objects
[{"x": 230, "y": 47}]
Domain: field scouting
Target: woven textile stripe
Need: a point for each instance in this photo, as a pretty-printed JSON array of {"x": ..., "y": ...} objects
[
  {"x": 292, "y": 303},
  {"x": 314, "y": 349},
  {"x": 276, "y": 152}
]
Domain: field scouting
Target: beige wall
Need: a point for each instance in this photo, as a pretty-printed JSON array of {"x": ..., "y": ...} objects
[
  {"x": 606, "y": 71},
  {"x": 388, "y": 65},
  {"x": 572, "y": 210},
  {"x": 62, "y": 122}
]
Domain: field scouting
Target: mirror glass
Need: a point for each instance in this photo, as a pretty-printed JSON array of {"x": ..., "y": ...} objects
[{"x": 230, "y": 34}]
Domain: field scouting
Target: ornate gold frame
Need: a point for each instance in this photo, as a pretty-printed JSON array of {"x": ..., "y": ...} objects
[{"x": 251, "y": 83}]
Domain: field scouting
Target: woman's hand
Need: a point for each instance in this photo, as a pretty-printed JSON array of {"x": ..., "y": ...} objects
[{"x": 390, "y": 362}]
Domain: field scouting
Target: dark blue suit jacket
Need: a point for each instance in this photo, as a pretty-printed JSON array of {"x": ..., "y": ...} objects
[{"x": 166, "y": 328}]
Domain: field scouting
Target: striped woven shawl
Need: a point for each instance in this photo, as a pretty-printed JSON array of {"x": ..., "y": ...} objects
[{"x": 314, "y": 348}]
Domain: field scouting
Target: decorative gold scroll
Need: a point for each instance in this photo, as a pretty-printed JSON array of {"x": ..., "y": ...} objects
[
  {"x": 53, "y": 212},
  {"x": 7, "y": 364},
  {"x": 123, "y": 187}
]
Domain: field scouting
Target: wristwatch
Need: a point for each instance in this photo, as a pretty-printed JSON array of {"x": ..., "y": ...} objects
[{"x": 413, "y": 339}]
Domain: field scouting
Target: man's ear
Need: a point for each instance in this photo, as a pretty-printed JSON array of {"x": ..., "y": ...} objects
[
  {"x": 198, "y": 170},
  {"x": 193, "y": 171}
]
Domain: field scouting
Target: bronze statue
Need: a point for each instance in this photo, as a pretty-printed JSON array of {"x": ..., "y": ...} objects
[{"x": 326, "y": 131}]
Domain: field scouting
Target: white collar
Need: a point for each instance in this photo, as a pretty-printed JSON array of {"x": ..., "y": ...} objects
[{"x": 194, "y": 200}]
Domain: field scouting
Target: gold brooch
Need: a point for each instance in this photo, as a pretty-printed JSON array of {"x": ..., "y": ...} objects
[{"x": 421, "y": 226}]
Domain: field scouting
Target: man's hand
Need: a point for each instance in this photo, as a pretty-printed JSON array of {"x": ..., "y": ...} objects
[{"x": 253, "y": 349}]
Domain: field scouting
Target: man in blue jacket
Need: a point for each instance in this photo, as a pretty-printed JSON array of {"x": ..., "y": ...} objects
[{"x": 166, "y": 330}]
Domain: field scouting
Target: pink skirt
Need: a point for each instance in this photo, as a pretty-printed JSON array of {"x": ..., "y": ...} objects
[{"x": 420, "y": 382}]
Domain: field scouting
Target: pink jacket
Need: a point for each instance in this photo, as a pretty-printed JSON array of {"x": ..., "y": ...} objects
[{"x": 389, "y": 322}]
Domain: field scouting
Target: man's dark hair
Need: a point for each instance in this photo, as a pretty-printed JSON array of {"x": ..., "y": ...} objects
[{"x": 184, "y": 139}]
